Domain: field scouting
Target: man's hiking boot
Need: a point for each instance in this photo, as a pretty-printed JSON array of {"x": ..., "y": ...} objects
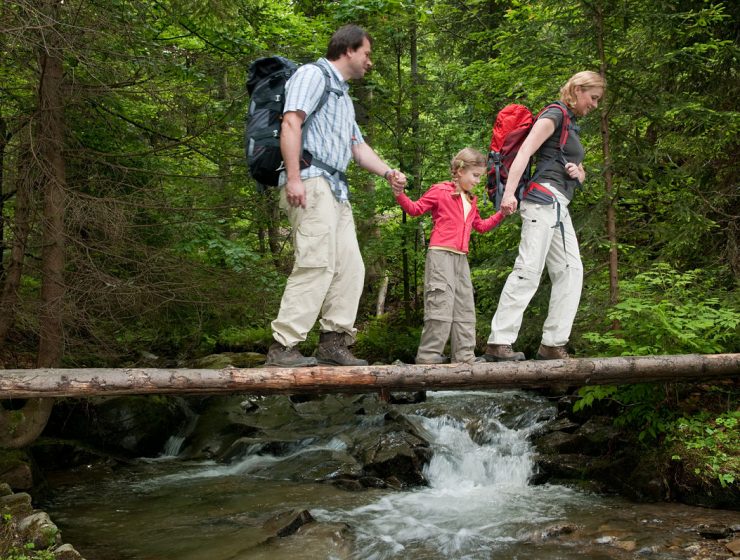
[
  {"x": 500, "y": 353},
  {"x": 282, "y": 356},
  {"x": 333, "y": 351},
  {"x": 552, "y": 353},
  {"x": 434, "y": 360}
]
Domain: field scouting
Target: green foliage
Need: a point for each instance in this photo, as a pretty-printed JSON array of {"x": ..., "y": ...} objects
[
  {"x": 700, "y": 430},
  {"x": 385, "y": 339},
  {"x": 642, "y": 406},
  {"x": 244, "y": 338},
  {"x": 708, "y": 445},
  {"x": 664, "y": 311}
]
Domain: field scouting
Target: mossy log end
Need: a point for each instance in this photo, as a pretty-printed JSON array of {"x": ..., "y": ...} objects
[{"x": 86, "y": 382}]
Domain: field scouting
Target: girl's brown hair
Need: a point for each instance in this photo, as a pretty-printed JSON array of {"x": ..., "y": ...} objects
[
  {"x": 465, "y": 158},
  {"x": 585, "y": 80}
]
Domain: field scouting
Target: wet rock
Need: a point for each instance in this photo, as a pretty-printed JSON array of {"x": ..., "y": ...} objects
[
  {"x": 309, "y": 540},
  {"x": 220, "y": 422},
  {"x": 598, "y": 434},
  {"x": 561, "y": 424},
  {"x": 22, "y": 527},
  {"x": 734, "y": 547},
  {"x": 408, "y": 398},
  {"x": 17, "y": 505},
  {"x": 566, "y": 466},
  {"x": 557, "y": 530},
  {"x": 38, "y": 529},
  {"x": 629, "y": 546},
  {"x": 559, "y": 443},
  {"x": 66, "y": 552},
  {"x": 714, "y": 531},
  {"x": 607, "y": 539},
  {"x": 349, "y": 484},
  {"x": 395, "y": 454},
  {"x": 5, "y": 489},
  {"x": 17, "y": 475},
  {"x": 373, "y": 482},
  {"x": 58, "y": 454},
  {"x": 336, "y": 538},
  {"x": 323, "y": 465},
  {"x": 288, "y": 523},
  {"x": 132, "y": 426}
]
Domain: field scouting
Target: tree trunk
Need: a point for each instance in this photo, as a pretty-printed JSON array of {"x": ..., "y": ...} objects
[
  {"x": 611, "y": 211},
  {"x": 382, "y": 292},
  {"x": 3, "y": 197},
  {"x": 51, "y": 142},
  {"x": 9, "y": 297},
  {"x": 23, "y": 383}
]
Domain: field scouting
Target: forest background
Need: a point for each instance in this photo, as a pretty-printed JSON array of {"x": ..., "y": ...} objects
[{"x": 129, "y": 226}]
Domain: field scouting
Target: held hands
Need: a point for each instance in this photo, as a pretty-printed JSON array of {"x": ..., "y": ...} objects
[
  {"x": 576, "y": 171},
  {"x": 397, "y": 181},
  {"x": 508, "y": 204}
]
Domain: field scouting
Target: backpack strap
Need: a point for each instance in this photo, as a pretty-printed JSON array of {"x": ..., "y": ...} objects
[
  {"x": 307, "y": 159},
  {"x": 566, "y": 126}
]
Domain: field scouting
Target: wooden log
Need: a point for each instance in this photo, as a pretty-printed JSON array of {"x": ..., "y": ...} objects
[{"x": 26, "y": 383}]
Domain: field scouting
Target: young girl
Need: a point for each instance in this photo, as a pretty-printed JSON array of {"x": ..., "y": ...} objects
[{"x": 449, "y": 310}]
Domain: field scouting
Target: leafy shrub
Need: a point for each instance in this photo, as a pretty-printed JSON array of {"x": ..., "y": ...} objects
[
  {"x": 664, "y": 311},
  {"x": 709, "y": 445},
  {"x": 641, "y": 406}
]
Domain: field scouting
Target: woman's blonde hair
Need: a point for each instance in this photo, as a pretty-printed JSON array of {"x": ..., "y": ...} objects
[
  {"x": 465, "y": 158},
  {"x": 586, "y": 80}
]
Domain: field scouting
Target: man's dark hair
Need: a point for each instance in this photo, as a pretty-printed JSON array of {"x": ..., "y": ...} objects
[{"x": 347, "y": 37}]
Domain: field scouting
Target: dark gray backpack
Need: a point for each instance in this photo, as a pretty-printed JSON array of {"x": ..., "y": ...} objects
[{"x": 266, "y": 87}]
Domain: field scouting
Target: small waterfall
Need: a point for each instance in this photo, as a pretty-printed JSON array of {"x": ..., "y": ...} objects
[
  {"x": 173, "y": 445},
  {"x": 478, "y": 499}
]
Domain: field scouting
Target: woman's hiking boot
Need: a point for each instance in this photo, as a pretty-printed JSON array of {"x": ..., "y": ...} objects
[
  {"x": 333, "y": 351},
  {"x": 282, "y": 356},
  {"x": 500, "y": 353},
  {"x": 552, "y": 353}
]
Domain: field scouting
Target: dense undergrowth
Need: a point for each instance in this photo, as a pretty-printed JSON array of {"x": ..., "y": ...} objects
[{"x": 663, "y": 311}]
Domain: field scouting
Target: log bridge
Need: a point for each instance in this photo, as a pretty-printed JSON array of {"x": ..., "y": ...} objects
[{"x": 39, "y": 384}]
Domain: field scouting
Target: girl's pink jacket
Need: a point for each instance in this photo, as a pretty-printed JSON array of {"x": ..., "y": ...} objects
[{"x": 447, "y": 212}]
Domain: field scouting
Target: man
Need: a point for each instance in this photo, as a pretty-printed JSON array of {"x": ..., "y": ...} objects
[{"x": 328, "y": 274}]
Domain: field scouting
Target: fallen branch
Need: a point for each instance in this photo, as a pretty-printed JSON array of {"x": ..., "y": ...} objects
[{"x": 86, "y": 382}]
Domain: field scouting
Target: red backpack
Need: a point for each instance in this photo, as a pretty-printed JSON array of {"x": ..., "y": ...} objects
[{"x": 511, "y": 127}]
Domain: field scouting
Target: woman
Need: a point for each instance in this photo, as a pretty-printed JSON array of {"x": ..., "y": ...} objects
[{"x": 547, "y": 238}]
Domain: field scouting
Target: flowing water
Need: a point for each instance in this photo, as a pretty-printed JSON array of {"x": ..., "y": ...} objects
[{"x": 478, "y": 504}]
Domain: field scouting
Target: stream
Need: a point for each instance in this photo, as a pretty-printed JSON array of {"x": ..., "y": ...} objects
[{"x": 478, "y": 504}]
